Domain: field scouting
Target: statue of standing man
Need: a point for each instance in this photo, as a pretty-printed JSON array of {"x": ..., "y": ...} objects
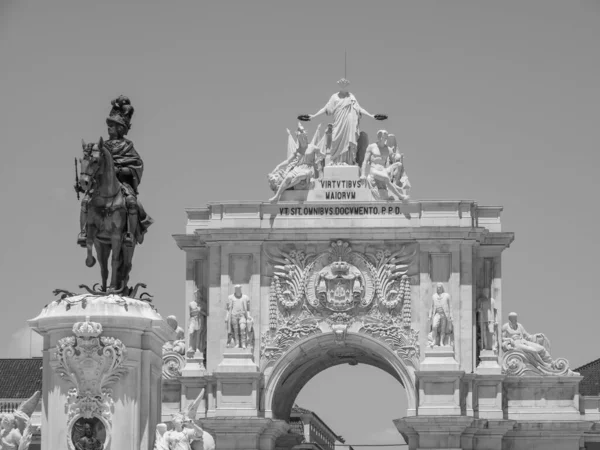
[
  {"x": 440, "y": 318},
  {"x": 238, "y": 317},
  {"x": 487, "y": 314},
  {"x": 346, "y": 113},
  {"x": 197, "y": 327}
]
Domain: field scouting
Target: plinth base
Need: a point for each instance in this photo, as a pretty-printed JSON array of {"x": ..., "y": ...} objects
[
  {"x": 488, "y": 364},
  {"x": 341, "y": 172},
  {"x": 237, "y": 360},
  {"x": 94, "y": 339},
  {"x": 194, "y": 367},
  {"x": 439, "y": 358}
]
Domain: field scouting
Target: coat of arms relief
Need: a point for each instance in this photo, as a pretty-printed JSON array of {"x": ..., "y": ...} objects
[
  {"x": 90, "y": 364},
  {"x": 341, "y": 290}
]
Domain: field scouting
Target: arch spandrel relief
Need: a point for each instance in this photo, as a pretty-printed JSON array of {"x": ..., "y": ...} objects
[{"x": 341, "y": 290}]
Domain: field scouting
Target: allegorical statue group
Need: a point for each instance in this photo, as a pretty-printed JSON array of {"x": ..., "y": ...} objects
[{"x": 381, "y": 165}]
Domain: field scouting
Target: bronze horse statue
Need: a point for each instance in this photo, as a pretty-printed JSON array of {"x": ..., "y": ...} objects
[{"x": 106, "y": 217}]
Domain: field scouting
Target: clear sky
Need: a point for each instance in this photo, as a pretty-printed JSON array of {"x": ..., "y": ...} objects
[{"x": 497, "y": 102}]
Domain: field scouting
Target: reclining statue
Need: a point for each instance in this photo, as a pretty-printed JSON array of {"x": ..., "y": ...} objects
[
  {"x": 528, "y": 353},
  {"x": 301, "y": 166}
]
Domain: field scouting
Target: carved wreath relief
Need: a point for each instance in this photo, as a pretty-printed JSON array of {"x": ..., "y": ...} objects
[
  {"x": 338, "y": 289},
  {"x": 90, "y": 363}
]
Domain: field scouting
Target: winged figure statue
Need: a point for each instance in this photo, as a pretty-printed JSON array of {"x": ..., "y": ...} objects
[{"x": 184, "y": 431}]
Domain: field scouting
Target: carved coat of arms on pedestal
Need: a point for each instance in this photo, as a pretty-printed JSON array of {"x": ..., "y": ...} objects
[
  {"x": 90, "y": 363},
  {"x": 336, "y": 289}
]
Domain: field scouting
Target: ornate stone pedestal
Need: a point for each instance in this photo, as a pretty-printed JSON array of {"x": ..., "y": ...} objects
[
  {"x": 245, "y": 433},
  {"x": 194, "y": 367},
  {"x": 428, "y": 432},
  {"x": 439, "y": 383},
  {"x": 543, "y": 398},
  {"x": 237, "y": 384},
  {"x": 102, "y": 370},
  {"x": 488, "y": 363}
]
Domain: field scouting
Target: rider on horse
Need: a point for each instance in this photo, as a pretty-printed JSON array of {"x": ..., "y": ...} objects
[{"x": 129, "y": 168}]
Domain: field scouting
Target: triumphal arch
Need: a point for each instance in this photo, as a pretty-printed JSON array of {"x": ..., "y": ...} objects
[{"x": 339, "y": 266}]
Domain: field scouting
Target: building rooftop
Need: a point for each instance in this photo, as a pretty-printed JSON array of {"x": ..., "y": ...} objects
[
  {"x": 297, "y": 410},
  {"x": 20, "y": 377},
  {"x": 590, "y": 385}
]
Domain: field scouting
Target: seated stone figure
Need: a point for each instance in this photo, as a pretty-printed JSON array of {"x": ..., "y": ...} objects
[
  {"x": 527, "y": 353},
  {"x": 396, "y": 169},
  {"x": 379, "y": 173},
  {"x": 299, "y": 169},
  {"x": 177, "y": 345}
]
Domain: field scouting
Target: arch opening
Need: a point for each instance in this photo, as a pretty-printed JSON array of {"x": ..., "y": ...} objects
[{"x": 304, "y": 360}]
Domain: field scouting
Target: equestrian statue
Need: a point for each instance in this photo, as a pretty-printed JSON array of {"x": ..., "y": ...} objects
[{"x": 112, "y": 218}]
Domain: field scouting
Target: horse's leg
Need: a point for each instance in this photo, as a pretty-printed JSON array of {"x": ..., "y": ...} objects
[
  {"x": 116, "y": 247},
  {"x": 89, "y": 243},
  {"x": 102, "y": 250},
  {"x": 126, "y": 265}
]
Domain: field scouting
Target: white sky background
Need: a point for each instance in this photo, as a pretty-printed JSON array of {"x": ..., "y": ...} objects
[{"x": 496, "y": 102}]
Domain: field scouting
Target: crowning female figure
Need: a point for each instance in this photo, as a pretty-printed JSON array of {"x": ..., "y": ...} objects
[{"x": 346, "y": 113}]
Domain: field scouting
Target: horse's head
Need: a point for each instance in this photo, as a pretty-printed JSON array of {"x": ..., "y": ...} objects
[{"x": 90, "y": 164}]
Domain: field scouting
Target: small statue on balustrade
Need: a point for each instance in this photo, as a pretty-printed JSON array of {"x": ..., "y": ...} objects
[
  {"x": 440, "y": 319},
  {"x": 238, "y": 320}
]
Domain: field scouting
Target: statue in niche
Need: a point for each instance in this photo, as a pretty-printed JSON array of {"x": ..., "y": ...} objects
[
  {"x": 440, "y": 318},
  {"x": 88, "y": 441},
  {"x": 487, "y": 317},
  {"x": 516, "y": 338},
  {"x": 346, "y": 113},
  {"x": 196, "y": 328},
  {"x": 377, "y": 170},
  {"x": 301, "y": 167},
  {"x": 238, "y": 318},
  {"x": 178, "y": 344}
]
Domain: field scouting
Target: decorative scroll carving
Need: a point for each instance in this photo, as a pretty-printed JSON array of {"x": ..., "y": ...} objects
[
  {"x": 91, "y": 364},
  {"x": 529, "y": 354},
  {"x": 394, "y": 332},
  {"x": 338, "y": 289},
  {"x": 173, "y": 364}
]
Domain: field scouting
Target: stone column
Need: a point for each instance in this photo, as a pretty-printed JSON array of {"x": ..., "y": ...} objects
[
  {"x": 215, "y": 327},
  {"x": 101, "y": 347}
]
